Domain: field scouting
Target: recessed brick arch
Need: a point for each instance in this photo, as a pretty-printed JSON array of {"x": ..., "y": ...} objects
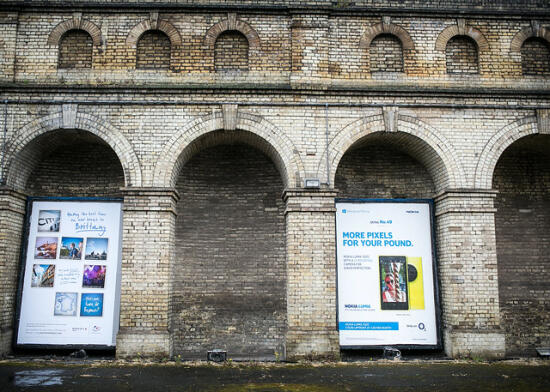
[
  {"x": 386, "y": 28},
  {"x": 454, "y": 30},
  {"x": 151, "y": 24},
  {"x": 75, "y": 23},
  {"x": 497, "y": 145},
  {"x": 250, "y": 129},
  {"x": 416, "y": 138},
  {"x": 526, "y": 33},
  {"x": 232, "y": 24},
  {"x": 23, "y": 146}
]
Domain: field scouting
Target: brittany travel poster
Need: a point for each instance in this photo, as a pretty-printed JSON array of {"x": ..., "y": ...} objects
[{"x": 71, "y": 286}]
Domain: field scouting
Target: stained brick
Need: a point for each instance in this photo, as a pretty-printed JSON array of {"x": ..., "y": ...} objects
[
  {"x": 153, "y": 50},
  {"x": 75, "y": 50}
]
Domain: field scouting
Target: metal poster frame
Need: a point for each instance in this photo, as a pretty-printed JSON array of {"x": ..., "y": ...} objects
[
  {"x": 437, "y": 301},
  {"x": 22, "y": 270}
]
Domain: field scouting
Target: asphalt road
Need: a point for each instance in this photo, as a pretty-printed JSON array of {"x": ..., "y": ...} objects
[{"x": 447, "y": 376}]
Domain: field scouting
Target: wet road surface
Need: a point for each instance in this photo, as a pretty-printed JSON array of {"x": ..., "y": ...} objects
[{"x": 384, "y": 376}]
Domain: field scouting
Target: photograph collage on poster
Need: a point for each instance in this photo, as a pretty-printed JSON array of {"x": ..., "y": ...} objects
[{"x": 92, "y": 276}]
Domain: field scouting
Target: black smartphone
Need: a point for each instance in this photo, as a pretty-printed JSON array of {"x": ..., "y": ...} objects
[{"x": 393, "y": 283}]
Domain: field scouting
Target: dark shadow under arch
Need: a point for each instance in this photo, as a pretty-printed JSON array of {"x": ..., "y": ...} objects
[
  {"x": 67, "y": 163},
  {"x": 380, "y": 167}
]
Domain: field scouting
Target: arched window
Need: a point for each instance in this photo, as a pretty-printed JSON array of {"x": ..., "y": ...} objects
[
  {"x": 462, "y": 55},
  {"x": 153, "y": 50},
  {"x": 386, "y": 54},
  {"x": 231, "y": 52},
  {"x": 535, "y": 57},
  {"x": 75, "y": 50}
]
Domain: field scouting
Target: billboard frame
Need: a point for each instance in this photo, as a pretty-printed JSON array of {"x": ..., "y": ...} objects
[
  {"x": 437, "y": 293},
  {"x": 22, "y": 269}
]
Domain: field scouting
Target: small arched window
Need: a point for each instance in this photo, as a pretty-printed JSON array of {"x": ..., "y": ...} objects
[
  {"x": 153, "y": 50},
  {"x": 462, "y": 55},
  {"x": 535, "y": 57},
  {"x": 75, "y": 50},
  {"x": 231, "y": 52},
  {"x": 386, "y": 54}
]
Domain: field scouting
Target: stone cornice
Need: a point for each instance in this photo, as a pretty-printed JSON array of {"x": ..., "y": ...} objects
[{"x": 505, "y": 8}]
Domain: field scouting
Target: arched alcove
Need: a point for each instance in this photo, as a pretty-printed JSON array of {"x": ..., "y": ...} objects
[
  {"x": 386, "y": 54},
  {"x": 72, "y": 163},
  {"x": 535, "y": 57},
  {"x": 380, "y": 166},
  {"x": 75, "y": 50},
  {"x": 229, "y": 272},
  {"x": 153, "y": 50},
  {"x": 462, "y": 55},
  {"x": 522, "y": 223},
  {"x": 231, "y": 52}
]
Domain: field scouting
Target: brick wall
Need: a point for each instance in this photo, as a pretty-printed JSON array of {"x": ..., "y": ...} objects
[
  {"x": 522, "y": 178},
  {"x": 12, "y": 214},
  {"x": 386, "y": 54},
  {"x": 462, "y": 56},
  {"x": 499, "y": 5},
  {"x": 229, "y": 273},
  {"x": 297, "y": 61},
  {"x": 231, "y": 52},
  {"x": 308, "y": 45},
  {"x": 535, "y": 57},
  {"x": 376, "y": 171},
  {"x": 153, "y": 50},
  {"x": 75, "y": 50}
]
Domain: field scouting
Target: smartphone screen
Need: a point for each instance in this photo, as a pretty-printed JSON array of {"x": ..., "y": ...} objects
[{"x": 393, "y": 283}]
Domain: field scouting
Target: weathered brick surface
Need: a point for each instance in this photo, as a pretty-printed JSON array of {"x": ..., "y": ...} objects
[
  {"x": 442, "y": 127},
  {"x": 522, "y": 177},
  {"x": 75, "y": 50},
  {"x": 153, "y": 50},
  {"x": 376, "y": 171},
  {"x": 231, "y": 52},
  {"x": 468, "y": 273},
  {"x": 535, "y": 57},
  {"x": 12, "y": 214},
  {"x": 77, "y": 169},
  {"x": 311, "y": 281},
  {"x": 148, "y": 232},
  {"x": 229, "y": 272},
  {"x": 386, "y": 54},
  {"x": 462, "y": 57},
  {"x": 8, "y": 32}
]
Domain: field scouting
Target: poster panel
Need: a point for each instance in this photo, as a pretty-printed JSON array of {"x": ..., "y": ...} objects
[
  {"x": 70, "y": 292},
  {"x": 386, "y": 274}
]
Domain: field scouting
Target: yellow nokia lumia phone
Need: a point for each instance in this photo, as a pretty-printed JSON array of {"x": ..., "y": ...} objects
[{"x": 415, "y": 282}]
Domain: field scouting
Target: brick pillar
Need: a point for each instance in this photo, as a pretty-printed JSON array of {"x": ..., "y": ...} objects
[
  {"x": 310, "y": 48},
  {"x": 149, "y": 221},
  {"x": 311, "y": 274},
  {"x": 12, "y": 216},
  {"x": 468, "y": 273}
]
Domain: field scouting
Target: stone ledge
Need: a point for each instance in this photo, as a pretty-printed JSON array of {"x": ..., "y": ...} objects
[
  {"x": 474, "y": 343},
  {"x": 150, "y": 344}
]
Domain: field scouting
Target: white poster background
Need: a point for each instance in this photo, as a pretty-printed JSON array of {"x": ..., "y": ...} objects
[
  {"x": 361, "y": 320},
  {"x": 37, "y": 323}
]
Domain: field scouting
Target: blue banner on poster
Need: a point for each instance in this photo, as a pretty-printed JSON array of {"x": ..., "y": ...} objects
[
  {"x": 91, "y": 305},
  {"x": 368, "y": 326}
]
